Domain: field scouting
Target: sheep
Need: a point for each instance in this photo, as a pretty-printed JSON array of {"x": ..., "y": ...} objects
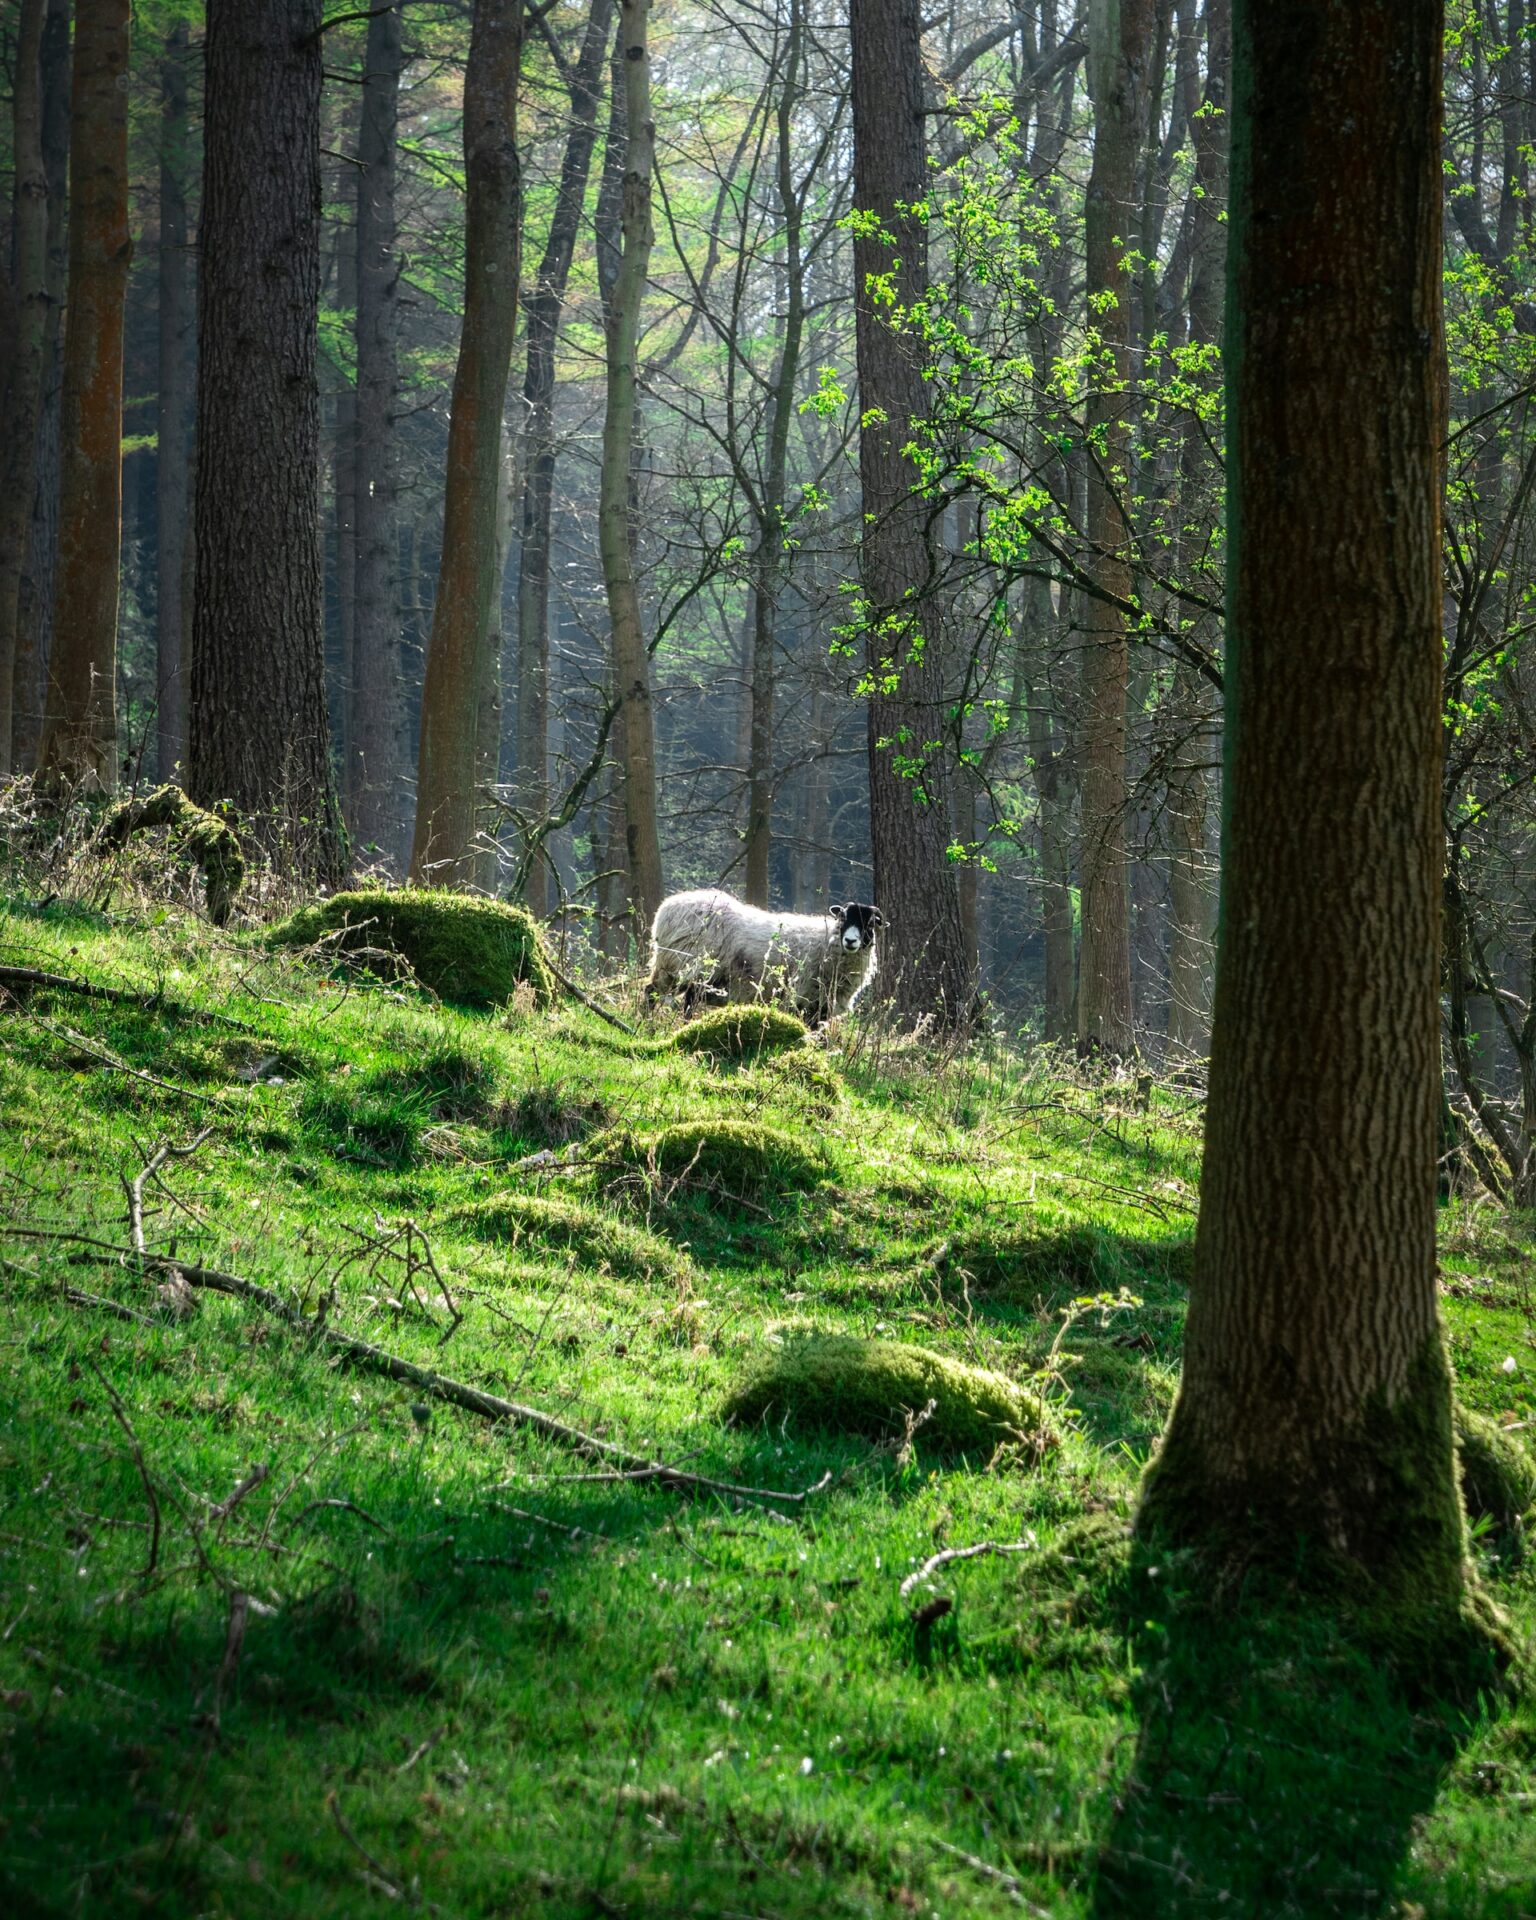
[{"x": 706, "y": 943}]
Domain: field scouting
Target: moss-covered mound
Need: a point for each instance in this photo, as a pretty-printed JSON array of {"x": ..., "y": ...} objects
[
  {"x": 1498, "y": 1475},
  {"x": 473, "y": 952},
  {"x": 740, "y": 1033},
  {"x": 736, "y": 1158},
  {"x": 847, "y": 1385},
  {"x": 596, "y": 1239},
  {"x": 802, "y": 1077},
  {"x": 204, "y": 838}
]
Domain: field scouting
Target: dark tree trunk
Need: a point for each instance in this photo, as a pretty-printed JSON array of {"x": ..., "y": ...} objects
[
  {"x": 260, "y": 737},
  {"x": 376, "y": 718},
  {"x": 174, "y": 407},
  {"x": 1118, "y": 60},
  {"x": 34, "y": 600},
  {"x": 923, "y": 961},
  {"x": 1316, "y": 1398},
  {"x": 443, "y": 849},
  {"x": 342, "y": 666},
  {"x": 23, "y": 344},
  {"x": 545, "y": 304},
  {"x": 79, "y": 743}
]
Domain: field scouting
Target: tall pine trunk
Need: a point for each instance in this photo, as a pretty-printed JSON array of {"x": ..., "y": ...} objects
[
  {"x": 1120, "y": 42},
  {"x": 923, "y": 958},
  {"x": 376, "y": 703},
  {"x": 545, "y": 304},
  {"x": 174, "y": 407},
  {"x": 79, "y": 743},
  {"x": 631, "y": 663},
  {"x": 443, "y": 848},
  {"x": 1316, "y": 1398},
  {"x": 260, "y": 738}
]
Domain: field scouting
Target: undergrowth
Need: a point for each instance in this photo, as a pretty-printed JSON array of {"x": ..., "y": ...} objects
[{"x": 281, "y": 1633}]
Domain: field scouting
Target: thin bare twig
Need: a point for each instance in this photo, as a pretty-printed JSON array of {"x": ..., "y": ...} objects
[
  {"x": 951, "y": 1554},
  {"x": 120, "y": 1413}
]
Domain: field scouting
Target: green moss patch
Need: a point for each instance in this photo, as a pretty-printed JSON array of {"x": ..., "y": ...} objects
[
  {"x": 473, "y": 952},
  {"x": 1018, "y": 1265},
  {"x": 596, "y": 1239},
  {"x": 740, "y": 1033},
  {"x": 1498, "y": 1475},
  {"x": 844, "y": 1384},
  {"x": 803, "y": 1077},
  {"x": 204, "y": 838},
  {"x": 737, "y": 1159}
]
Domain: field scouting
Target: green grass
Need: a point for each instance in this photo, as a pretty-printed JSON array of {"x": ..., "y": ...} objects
[{"x": 503, "y": 1688}]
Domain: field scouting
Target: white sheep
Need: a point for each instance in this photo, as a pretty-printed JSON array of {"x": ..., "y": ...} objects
[{"x": 705, "y": 943}]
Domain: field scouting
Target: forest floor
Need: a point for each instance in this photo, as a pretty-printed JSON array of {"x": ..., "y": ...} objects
[{"x": 282, "y": 1635}]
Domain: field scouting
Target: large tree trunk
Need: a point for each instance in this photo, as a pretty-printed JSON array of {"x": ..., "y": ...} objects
[
  {"x": 544, "y": 307},
  {"x": 34, "y": 607},
  {"x": 79, "y": 743},
  {"x": 376, "y": 714},
  {"x": 260, "y": 738},
  {"x": 1120, "y": 41},
  {"x": 443, "y": 849},
  {"x": 631, "y": 663},
  {"x": 23, "y": 344},
  {"x": 174, "y": 402},
  {"x": 923, "y": 961},
  {"x": 1315, "y": 1402},
  {"x": 1192, "y": 894}
]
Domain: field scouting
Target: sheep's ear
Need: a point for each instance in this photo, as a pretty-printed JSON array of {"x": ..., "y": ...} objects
[
  {"x": 876, "y": 917},
  {"x": 839, "y": 914}
]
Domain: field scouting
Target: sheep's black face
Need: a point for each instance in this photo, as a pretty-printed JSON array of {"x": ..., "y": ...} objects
[{"x": 858, "y": 924}]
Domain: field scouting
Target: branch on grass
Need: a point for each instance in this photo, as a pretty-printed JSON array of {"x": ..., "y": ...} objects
[
  {"x": 930, "y": 1567},
  {"x": 120, "y": 1414},
  {"x": 16, "y": 981}
]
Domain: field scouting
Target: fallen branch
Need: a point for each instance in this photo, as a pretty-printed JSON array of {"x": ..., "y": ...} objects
[
  {"x": 78, "y": 1297},
  {"x": 120, "y": 1414},
  {"x": 587, "y": 1001},
  {"x": 152, "y": 1165},
  {"x": 950, "y": 1554},
  {"x": 17, "y": 981},
  {"x": 1008, "y": 1882}
]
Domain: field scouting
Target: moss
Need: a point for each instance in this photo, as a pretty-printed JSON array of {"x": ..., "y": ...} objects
[
  {"x": 800, "y": 1075},
  {"x": 843, "y": 1384},
  {"x": 596, "y": 1239},
  {"x": 738, "y": 1159},
  {"x": 204, "y": 838},
  {"x": 471, "y": 951},
  {"x": 1008, "y": 1264},
  {"x": 1498, "y": 1475},
  {"x": 740, "y": 1033}
]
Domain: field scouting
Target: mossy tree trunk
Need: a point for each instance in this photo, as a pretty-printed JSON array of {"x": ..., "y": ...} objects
[
  {"x": 79, "y": 743},
  {"x": 1316, "y": 1402},
  {"x": 443, "y": 849}
]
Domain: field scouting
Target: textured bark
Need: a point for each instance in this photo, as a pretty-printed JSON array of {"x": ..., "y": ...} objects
[
  {"x": 1120, "y": 44},
  {"x": 443, "y": 848},
  {"x": 174, "y": 407},
  {"x": 376, "y": 743},
  {"x": 631, "y": 663},
  {"x": 922, "y": 961},
  {"x": 79, "y": 743},
  {"x": 1192, "y": 893},
  {"x": 260, "y": 738},
  {"x": 341, "y": 667},
  {"x": 23, "y": 344},
  {"x": 34, "y": 608},
  {"x": 1316, "y": 1397},
  {"x": 545, "y": 304}
]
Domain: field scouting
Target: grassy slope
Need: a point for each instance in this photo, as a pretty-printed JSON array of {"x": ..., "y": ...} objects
[{"x": 680, "y": 1707}]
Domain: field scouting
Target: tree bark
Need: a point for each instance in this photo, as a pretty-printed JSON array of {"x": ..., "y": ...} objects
[
  {"x": 260, "y": 737},
  {"x": 23, "y": 340},
  {"x": 631, "y": 663},
  {"x": 1120, "y": 43},
  {"x": 79, "y": 743},
  {"x": 923, "y": 964},
  {"x": 443, "y": 850},
  {"x": 174, "y": 407},
  {"x": 376, "y": 719},
  {"x": 545, "y": 304},
  {"x": 1315, "y": 1402}
]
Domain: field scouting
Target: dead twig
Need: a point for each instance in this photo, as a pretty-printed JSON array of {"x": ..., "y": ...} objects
[
  {"x": 377, "y": 1876},
  {"x": 225, "y": 1507},
  {"x": 951, "y": 1554},
  {"x": 16, "y": 981},
  {"x": 135, "y": 1187},
  {"x": 1009, "y": 1882},
  {"x": 120, "y": 1413},
  {"x": 342, "y": 1506},
  {"x": 78, "y": 1297}
]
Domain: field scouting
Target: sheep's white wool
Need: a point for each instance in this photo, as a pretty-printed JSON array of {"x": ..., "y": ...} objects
[{"x": 705, "y": 939}]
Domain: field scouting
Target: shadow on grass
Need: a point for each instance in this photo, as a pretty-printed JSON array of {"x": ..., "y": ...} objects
[{"x": 1279, "y": 1768}]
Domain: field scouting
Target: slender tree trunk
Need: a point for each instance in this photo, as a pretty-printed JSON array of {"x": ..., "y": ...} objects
[
  {"x": 631, "y": 664},
  {"x": 174, "y": 406},
  {"x": 443, "y": 848},
  {"x": 923, "y": 959},
  {"x": 79, "y": 744},
  {"x": 376, "y": 718},
  {"x": 23, "y": 344},
  {"x": 34, "y": 601},
  {"x": 1192, "y": 894},
  {"x": 260, "y": 738},
  {"x": 342, "y": 669},
  {"x": 1120, "y": 39},
  {"x": 1316, "y": 1403},
  {"x": 545, "y": 304}
]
